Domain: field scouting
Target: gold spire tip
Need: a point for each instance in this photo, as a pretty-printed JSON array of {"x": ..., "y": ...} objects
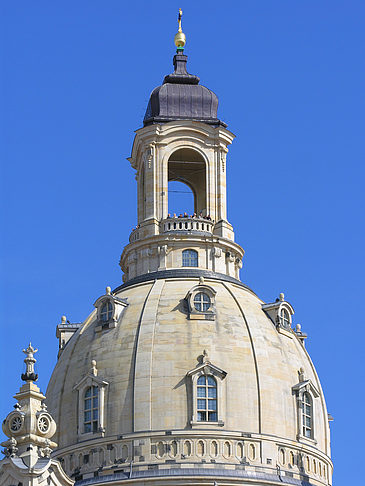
[{"x": 180, "y": 39}]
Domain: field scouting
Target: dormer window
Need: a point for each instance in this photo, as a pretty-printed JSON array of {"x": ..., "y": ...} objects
[
  {"x": 189, "y": 258},
  {"x": 281, "y": 312},
  {"x": 202, "y": 301},
  {"x": 109, "y": 310},
  {"x": 106, "y": 311}
]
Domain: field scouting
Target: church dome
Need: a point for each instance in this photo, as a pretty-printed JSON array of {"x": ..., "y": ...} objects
[
  {"x": 150, "y": 358},
  {"x": 182, "y": 98}
]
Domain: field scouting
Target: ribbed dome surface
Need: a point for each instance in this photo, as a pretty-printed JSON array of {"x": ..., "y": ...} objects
[{"x": 146, "y": 358}]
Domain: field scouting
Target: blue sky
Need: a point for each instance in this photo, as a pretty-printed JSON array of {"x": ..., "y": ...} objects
[{"x": 76, "y": 78}]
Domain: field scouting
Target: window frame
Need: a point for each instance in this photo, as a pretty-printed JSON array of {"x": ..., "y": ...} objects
[
  {"x": 109, "y": 312},
  {"x": 302, "y": 388},
  {"x": 81, "y": 387},
  {"x": 115, "y": 309},
  {"x": 284, "y": 318},
  {"x": 304, "y": 405},
  {"x": 91, "y": 409},
  {"x": 193, "y": 311},
  {"x": 191, "y": 252},
  {"x": 206, "y": 368},
  {"x": 206, "y": 387}
]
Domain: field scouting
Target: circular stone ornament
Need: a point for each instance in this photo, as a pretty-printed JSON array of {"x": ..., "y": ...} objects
[
  {"x": 43, "y": 424},
  {"x": 16, "y": 424}
]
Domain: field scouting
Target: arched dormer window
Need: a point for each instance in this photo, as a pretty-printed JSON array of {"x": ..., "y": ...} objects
[
  {"x": 91, "y": 409},
  {"x": 281, "y": 312},
  {"x": 307, "y": 415},
  {"x": 189, "y": 258},
  {"x": 106, "y": 311},
  {"x": 207, "y": 399},
  {"x": 109, "y": 310}
]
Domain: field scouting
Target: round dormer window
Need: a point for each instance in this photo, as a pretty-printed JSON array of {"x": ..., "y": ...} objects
[
  {"x": 43, "y": 424},
  {"x": 16, "y": 424}
]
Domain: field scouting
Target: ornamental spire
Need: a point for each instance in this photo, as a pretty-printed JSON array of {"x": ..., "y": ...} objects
[
  {"x": 180, "y": 38},
  {"x": 29, "y": 361}
]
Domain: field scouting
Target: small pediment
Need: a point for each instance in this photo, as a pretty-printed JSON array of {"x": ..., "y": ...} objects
[
  {"x": 306, "y": 385},
  {"x": 91, "y": 378},
  {"x": 207, "y": 368}
]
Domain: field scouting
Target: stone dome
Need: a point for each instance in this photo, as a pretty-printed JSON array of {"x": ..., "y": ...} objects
[
  {"x": 182, "y": 98},
  {"x": 147, "y": 361}
]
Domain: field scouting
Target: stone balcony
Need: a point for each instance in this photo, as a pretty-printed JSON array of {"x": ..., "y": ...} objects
[{"x": 186, "y": 225}]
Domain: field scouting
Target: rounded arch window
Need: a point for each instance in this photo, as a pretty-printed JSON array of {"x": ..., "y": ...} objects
[
  {"x": 285, "y": 318},
  {"x": 202, "y": 301},
  {"x": 189, "y": 258},
  {"x": 207, "y": 399},
  {"x": 106, "y": 311}
]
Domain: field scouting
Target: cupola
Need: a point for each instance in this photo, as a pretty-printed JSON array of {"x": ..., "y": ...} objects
[{"x": 181, "y": 97}]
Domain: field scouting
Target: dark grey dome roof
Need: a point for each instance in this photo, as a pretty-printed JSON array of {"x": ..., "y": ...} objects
[{"x": 182, "y": 98}]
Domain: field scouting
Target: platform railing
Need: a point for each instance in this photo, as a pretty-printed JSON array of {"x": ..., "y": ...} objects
[{"x": 188, "y": 224}]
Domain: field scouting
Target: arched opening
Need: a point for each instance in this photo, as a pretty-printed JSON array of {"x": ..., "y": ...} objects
[
  {"x": 181, "y": 199},
  {"x": 188, "y": 167}
]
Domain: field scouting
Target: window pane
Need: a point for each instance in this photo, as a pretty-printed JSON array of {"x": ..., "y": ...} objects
[
  {"x": 95, "y": 426},
  {"x": 212, "y": 392},
  {"x": 201, "y": 416},
  {"x": 95, "y": 391},
  {"x": 95, "y": 402},
  {"x": 307, "y": 433},
  {"x": 212, "y": 416},
  {"x": 307, "y": 421},
  {"x": 201, "y": 380},
  {"x": 95, "y": 414},
  {"x": 88, "y": 393},
  {"x": 201, "y": 404},
  {"x": 206, "y": 298},
  {"x": 307, "y": 410},
  {"x": 212, "y": 404},
  {"x": 211, "y": 381},
  {"x": 88, "y": 404},
  {"x": 87, "y": 428},
  {"x": 201, "y": 391}
]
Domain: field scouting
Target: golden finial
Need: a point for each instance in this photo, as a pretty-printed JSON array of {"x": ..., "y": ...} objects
[{"x": 180, "y": 39}]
